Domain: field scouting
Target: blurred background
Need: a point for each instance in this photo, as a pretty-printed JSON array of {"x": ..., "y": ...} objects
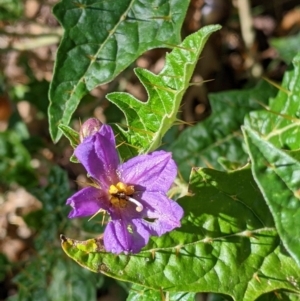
[{"x": 258, "y": 40}]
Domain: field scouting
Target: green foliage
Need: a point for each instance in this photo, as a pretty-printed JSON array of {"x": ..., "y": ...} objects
[
  {"x": 140, "y": 293},
  {"x": 55, "y": 279},
  {"x": 239, "y": 238},
  {"x": 227, "y": 230},
  {"x": 276, "y": 171},
  {"x": 4, "y": 265},
  {"x": 277, "y": 175},
  {"x": 72, "y": 136},
  {"x": 52, "y": 219},
  {"x": 101, "y": 39},
  {"x": 70, "y": 282},
  {"x": 233, "y": 222},
  {"x": 10, "y": 9},
  {"x": 287, "y": 47},
  {"x": 279, "y": 124},
  {"x": 219, "y": 136},
  {"x": 49, "y": 276},
  {"x": 148, "y": 122},
  {"x": 15, "y": 160}
]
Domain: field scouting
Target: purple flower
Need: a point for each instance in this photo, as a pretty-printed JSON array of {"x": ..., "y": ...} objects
[{"x": 133, "y": 193}]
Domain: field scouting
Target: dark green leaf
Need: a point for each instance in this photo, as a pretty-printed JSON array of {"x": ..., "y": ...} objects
[
  {"x": 4, "y": 265},
  {"x": 15, "y": 161},
  {"x": 278, "y": 177},
  {"x": 101, "y": 39},
  {"x": 52, "y": 219},
  {"x": 219, "y": 135},
  {"x": 54, "y": 279},
  {"x": 70, "y": 282},
  {"x": 10, "y": 9},
  {"x": 287, "y": 46}
]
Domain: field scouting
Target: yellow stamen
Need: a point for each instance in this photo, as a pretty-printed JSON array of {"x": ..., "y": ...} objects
[
  {"x": 120, "y": 194},
  {"x": 130, "y": 190},
  {"x": 115, "y": 201},
  {"x": 113, "y": 189},
  {"x": 122, "y": 187}
]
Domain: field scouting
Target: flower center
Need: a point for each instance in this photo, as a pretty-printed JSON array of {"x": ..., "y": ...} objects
[{"x": 120, "y": 195}]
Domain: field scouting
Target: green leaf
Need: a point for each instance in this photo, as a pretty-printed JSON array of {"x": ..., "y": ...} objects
[
  {"x": 4, "y": 267},
  {"x": 53, "y": 279},
  {"x": 287, "y": 47},
  {"x": 15, "y": 161},
  {"x": 70, "y": 134},
  {"x": 10, "y": 9},
  {"x": 101, "y": 39},
  {"x": 280, "y": 123},
  {"x": 32, "y": 278},
  {"x": 278, "y": 177},
  {"x": 148, "y": 122},
  {"x": 51, "y": 219},
  {"x": 73, "y": 137},
  {"x": 227, "y": 244},
  {"x": 140, "y": 293},
  {"x": 219, "y": 135},
  {"x": 83, "y": 283}
]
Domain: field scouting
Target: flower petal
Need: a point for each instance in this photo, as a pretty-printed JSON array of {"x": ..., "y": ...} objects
[
  {"x": 97, "y": 153},
  {"x": 141, "y": 236},
  {"x": 116, "y": 238},
  {"x": 87, "y": 201},
  {"x": 155, "y": 171},
  {"x": 165, "y": 212},
  {"x": 107, "y": 132},
  {"x": 121, "y": 234}
]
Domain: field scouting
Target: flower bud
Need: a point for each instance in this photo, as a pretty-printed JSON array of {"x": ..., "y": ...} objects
[{"x": 89, "y": 127}]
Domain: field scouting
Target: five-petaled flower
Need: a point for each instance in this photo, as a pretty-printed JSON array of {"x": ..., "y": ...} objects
[{"x": 133, "y": 193}]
